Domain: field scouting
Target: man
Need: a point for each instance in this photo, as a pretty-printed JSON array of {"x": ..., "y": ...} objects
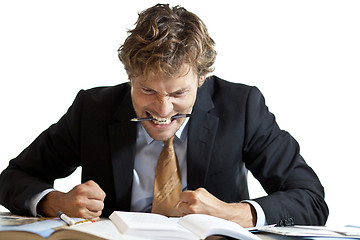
[{"x": 167, "y": 57}]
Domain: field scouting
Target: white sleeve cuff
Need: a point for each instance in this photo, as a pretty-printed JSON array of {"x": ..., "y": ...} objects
[
  {"x": 36, "y": 199},
  {"x": 260, "y": 215}
]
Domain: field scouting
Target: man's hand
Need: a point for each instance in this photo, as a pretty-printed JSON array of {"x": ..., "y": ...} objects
[
  {"x": 201, "y": 201},
  {"x": 84, "y": 201}
]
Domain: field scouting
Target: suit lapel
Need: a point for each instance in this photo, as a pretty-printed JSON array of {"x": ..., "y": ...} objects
[
  {"x": 122, "y": 143},
  {"x": 201, "y": 137}
]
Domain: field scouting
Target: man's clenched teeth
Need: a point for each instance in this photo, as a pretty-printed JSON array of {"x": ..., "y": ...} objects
[{"x": 161, "y": 121}]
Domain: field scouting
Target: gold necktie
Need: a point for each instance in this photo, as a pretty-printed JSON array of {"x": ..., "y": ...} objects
[{"x": 167, "y": 184}]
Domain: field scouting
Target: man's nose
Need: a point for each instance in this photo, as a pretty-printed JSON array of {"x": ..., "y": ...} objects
[{"x": 164, "y": 106}]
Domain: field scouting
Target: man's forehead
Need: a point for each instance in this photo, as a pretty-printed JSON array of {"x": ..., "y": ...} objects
[
  {"x": 169, "y": 84},
  {"x": 184, "y": 71}
]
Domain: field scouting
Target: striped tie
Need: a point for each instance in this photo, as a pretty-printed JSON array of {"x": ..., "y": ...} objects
[{"x": 167, "y": 184}]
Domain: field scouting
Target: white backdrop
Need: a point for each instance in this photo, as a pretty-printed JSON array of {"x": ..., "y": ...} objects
[{"x": 303, "y": 55}]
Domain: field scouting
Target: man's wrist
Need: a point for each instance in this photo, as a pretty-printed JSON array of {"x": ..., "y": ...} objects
[
  {"x": 47, "y": 206},
  {"x": 242, "y": 213},
  {"x": 259, "y": 212},
  {"x": 32, "y": 204}
]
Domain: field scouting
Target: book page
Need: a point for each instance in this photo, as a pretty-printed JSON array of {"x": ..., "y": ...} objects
[
  {"x": 9, "y": 219},
  {"x": 206, "y": 225},
  {"x": 311, "y": 231},
  {"x": 100, "y": 230},
  {"x": 149, "y": 225},
  {"x": 140, "y": 221},
  {"x": 41, "y": 228}
]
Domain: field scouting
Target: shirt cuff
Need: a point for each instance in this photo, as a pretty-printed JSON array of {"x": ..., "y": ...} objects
[
  {"x": 260, "y": 215},
  {"x": 36, "y": 199}
]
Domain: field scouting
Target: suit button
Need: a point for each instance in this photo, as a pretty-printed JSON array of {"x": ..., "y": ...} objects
[
  {"x": 287, "y": 222},
  {"x": 281, "y": 223},
  {"x": 292, "y": 221}
]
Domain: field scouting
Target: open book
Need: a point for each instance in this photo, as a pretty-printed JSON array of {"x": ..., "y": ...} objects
[
  {"x": 193, "y": 226},
  {"x": 14, "y": 227},
  {"x": 122, "y": 225}
]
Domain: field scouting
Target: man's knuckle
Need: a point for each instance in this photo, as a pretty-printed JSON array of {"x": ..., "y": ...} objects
[
  {"x": 82, "y": 213},
  {"x": 191, "y": 209},
  {"x": 80, "y": 202}
]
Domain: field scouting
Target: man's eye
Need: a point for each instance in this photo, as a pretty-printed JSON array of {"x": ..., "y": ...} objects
[
  {"x": 148, "y": 91},
  {"x": 180, "y": 93}
]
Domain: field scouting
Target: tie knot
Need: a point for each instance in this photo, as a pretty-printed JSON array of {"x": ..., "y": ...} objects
[{"x": 169, "y": 142}]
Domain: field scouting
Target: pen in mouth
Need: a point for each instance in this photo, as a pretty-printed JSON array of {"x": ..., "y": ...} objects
[{"x": 150, "y": 118}]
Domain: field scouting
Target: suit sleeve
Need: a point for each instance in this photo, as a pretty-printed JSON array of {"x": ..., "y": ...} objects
[
  {"x": 53, "y": 154},
  {"x": 295, "y": 194}
]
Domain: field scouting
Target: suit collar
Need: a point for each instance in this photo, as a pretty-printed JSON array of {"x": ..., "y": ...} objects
[
  {"x": 125, "y": 110},
  {"x": 203, "y": 101}
]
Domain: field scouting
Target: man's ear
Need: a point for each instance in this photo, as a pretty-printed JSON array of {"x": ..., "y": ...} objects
[{"x": 201, "y": 80}]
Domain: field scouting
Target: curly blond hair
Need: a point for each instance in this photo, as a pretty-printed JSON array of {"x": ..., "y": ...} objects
[{"x": 164, "y": 39}]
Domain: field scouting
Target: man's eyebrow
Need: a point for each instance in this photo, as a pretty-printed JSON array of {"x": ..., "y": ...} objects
[
  {"x": 182, "y": 90},
  {"x": 144, "y": 86}
]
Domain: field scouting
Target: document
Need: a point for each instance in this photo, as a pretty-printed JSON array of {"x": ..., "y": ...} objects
[{"x": 314, "y": 232}]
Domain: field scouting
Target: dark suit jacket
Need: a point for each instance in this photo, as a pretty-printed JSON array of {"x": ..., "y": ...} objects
[{"x": 230, "y": 131}]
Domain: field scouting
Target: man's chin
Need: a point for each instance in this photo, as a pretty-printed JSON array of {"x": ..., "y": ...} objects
[
  {"x": 160, "y": 133},
  {"x": 161, "y": 137}
]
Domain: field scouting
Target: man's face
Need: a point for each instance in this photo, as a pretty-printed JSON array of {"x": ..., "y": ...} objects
[{"x": 162, "y": 98}]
